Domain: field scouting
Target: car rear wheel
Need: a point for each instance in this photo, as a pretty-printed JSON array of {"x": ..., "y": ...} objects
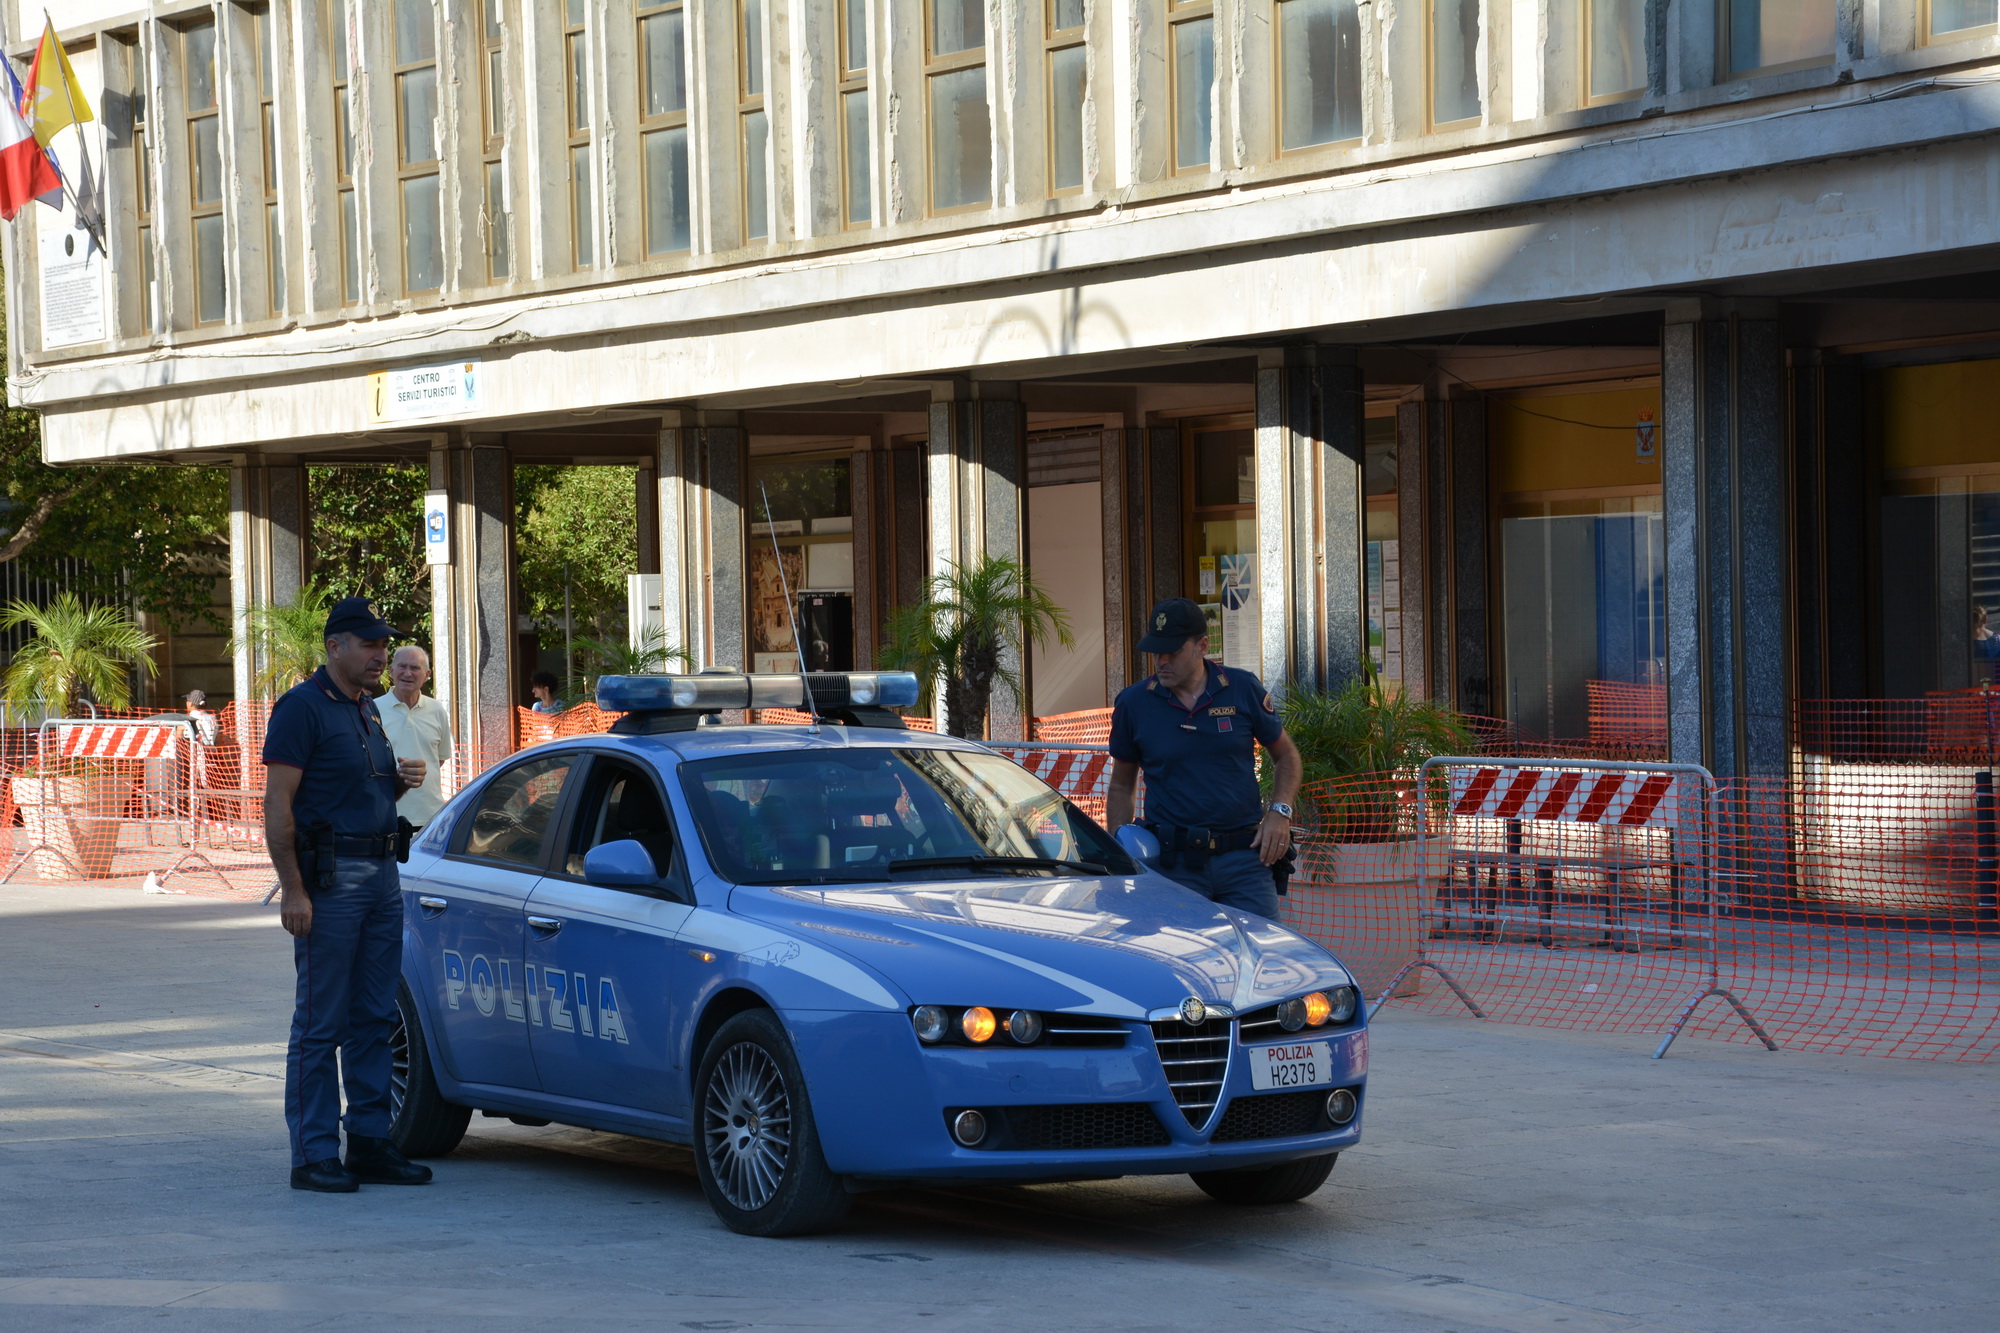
[
  {"x": 756, "y": 1149},
  {"x": 422, "y": 1123},
  {"x": 1287, "y": 1182}
]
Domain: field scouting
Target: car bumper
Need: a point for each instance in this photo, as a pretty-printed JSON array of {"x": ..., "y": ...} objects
[{"x": 883, "y": 1105}]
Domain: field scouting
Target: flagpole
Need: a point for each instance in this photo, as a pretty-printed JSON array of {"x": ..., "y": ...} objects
[{"x": 82, "y": 144}]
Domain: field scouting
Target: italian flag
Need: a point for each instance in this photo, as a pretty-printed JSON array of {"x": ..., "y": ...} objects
[{"x": 25, "y": 172}]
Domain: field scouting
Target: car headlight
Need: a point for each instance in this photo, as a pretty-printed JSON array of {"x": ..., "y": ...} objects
[
  {"x": 978, "y": 1024},
  {"x": 1318, "y": 1007},
  {"x": 931, "y": 1022},
  {"x": 1024, "y": 1026},
  {"x": 1292, "y": 1015},
  {"x": 1344, "y": 1000}
]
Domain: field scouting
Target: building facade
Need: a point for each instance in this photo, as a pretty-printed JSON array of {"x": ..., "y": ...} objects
[{"x": 1595, "y": 365}]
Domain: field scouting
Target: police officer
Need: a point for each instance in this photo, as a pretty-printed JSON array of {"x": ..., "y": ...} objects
[
  {"x": 1193, "y": 727},
  {"x": 330, "y": 794}
]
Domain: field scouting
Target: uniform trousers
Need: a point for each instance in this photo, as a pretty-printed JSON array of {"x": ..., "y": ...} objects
[
  {"x": 1234, "y": 879},
  {"x": 348, "y": 966}
]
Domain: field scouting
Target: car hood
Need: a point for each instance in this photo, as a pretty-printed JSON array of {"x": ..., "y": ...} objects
[{"x": 1119, "y": 946}]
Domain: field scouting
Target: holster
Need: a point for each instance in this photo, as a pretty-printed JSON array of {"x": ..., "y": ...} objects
[
  {"x": 405, "y": 830},
  {"x": 1282, "y": 869},
  {"x": 315, "y": 850}
]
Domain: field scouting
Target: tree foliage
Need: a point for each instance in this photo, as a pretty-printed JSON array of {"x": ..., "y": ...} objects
[
  {"x": 576, "y": 526},
  {"x": 1358, "y": 744},
  {"x": 79, "y": 649},
  {"x": 287, "y": 642},
  {"x": 971, "y": 619},
  {"x": 367, "y": 538}
]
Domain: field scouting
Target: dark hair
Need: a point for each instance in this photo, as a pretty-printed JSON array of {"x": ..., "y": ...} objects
[{"x": 545, "y": 678}]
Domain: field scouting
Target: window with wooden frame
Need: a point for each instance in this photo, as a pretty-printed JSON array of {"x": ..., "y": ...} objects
[
  {"x": 495, "y": 219},
  {"x": 204, "y": 132},
  {"x": 1068, "y": 75},
  {"x": 576, "y": 84},
  {"x": 1614, "y": 50},
  {"x": 1319, "y": 73},
  {"x": 416, "y": 144},
  {"x": 1955, "y": 20},
  {"x": 1191, "y": 79},
  {"x": 663, "y": 125},
  {"x": 960, "y": 122},
  {"x": 1767, "y": 36},
  {"x": 856, "y": 178},
  {"x": 267, "y": 128},
  {"x": 1453, "y": 38},
  {"x": 142, "y": 182},
  {"x": 754, "y": 136},
  {"x": 343, "y": 147}
]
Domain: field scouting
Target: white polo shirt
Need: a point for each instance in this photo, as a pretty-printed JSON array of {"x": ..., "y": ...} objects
[{"x": 418, "y": 731}]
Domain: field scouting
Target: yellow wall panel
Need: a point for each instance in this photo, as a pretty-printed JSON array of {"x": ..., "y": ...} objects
[
  {"x": 1939, "y": 416},
  {"x": 1534, "y": 453}
]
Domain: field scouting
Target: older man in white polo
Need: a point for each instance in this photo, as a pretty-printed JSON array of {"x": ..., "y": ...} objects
[{"x": 418, "y": 728}]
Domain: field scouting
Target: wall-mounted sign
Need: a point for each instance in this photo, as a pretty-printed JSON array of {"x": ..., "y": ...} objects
[
  {"x": 437, "y": 527},
  {"x": 1646, "y": 431},
  {"x": 72, "y": 285},
  {"x": 418, "y": 393}
]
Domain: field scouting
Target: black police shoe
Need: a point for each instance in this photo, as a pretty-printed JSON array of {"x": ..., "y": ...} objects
[
  {"x": 377, "y": 1162},
  {"x": 327, "y": 1177}
]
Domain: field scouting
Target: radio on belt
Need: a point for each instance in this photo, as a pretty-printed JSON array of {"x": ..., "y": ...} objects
[{"x": 679, "y": 703}]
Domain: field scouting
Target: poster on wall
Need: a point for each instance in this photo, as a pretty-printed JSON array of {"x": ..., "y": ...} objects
[
  {"x": 770, "y": 612},
  {"x": 1211, "y": 614},
  {"x": 1241, "y": 633}
]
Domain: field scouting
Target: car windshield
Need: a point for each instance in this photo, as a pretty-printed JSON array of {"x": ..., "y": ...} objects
[{"x": 879, "y": 814}]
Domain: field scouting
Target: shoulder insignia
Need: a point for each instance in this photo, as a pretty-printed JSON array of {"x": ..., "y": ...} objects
[
  {"x": 1269, "y": 705},
  {"x": 1152, "y": 682},
  {"x": 1221, "y": 677}
]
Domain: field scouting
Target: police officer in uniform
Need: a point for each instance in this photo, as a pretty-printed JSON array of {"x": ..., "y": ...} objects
[
  {"x": 1193, "y": 728},
  {"x": 330, "y": 794}
]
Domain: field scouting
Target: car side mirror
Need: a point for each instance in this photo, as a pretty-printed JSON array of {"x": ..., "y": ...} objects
[
  {"x": 1140, "y": 844},
  {"x": 624, "y": 864}
]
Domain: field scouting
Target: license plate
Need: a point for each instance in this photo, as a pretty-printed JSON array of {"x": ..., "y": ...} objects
[{"x": 1298, "y": 1066}]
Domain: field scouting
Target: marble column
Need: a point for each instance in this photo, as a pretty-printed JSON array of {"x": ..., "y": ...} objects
[
  {"x": 1442, "y": 535},
  {"x": 268, "y": 547},
  {"x": 1829, "y": 507},
  {"x": 472, "y": 599},
  {"x": 977, "y": 469},
  {"x": 1143, "y": 536},
  {"x": 703, "y": 474}
]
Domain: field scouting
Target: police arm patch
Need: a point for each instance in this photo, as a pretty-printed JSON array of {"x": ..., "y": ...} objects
[{"x": 1270, "y": 705}]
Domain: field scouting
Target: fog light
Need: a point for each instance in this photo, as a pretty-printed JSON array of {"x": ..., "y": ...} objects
[
  {"x": 978, "y": 1024},
  {"x": 1344, "y": 1000},
  {"x": 1340, "y": 1106},
  {"x": 1317, "y": 1008},
  {"x": 969, "y": 1128},
  {"x": 1292, "y": 1015},
  {"x": 1024, "y": 1026},
  {"x": 931, "y": 1022}
]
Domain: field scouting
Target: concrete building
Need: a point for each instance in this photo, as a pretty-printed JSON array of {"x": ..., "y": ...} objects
[{"x": 1574, "y": 360}]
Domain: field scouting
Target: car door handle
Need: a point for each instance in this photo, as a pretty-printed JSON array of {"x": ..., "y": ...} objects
[
  {"x": 432, "y": 906},
  {"x": 544, "y": 926}
]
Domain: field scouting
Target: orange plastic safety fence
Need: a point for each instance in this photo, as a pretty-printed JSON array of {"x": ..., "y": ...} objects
[
  {"x": 1626, "y": 714},
  {"x": 1089, "y": 726}
]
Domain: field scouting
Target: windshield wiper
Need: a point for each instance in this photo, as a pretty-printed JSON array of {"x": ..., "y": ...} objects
[
  {"x": 805, "y": 878},
  {"x": 998, "y": 863}
]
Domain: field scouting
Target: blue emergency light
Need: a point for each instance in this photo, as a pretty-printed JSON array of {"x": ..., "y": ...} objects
[{"x": 677, "y": 703}]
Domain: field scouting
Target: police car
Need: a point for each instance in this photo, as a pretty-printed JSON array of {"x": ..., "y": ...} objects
[{"x": 838, "y": 956}]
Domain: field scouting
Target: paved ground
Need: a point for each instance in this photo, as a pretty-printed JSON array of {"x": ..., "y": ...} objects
[{"x": 1512, "y": 1179}]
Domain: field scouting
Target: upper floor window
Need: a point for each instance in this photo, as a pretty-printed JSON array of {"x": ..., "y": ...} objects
[
  {"x": 496, "y": 218},
  {"x": 142, "y": 184},
  {"x": 1319, "y": 72},
  {"x": 343, "y": 147},
  {"x": 1191, "y": 72},
  {"x": 1615, "y": 47},
  {"x": 1776, "y": 34},
  {"x": 267, "y": 127},
  {"x": 204, "y": 131},
  {"x": 856, "y": 179},
  {"x": 416, "y": 144},
  {"x": 1454, "y": 46},
  {"x": 663, "y": 124},
  {"x": 1068, "y": 74},
  {"x": 961, "y": 123},
  {"x": 1962, "y": 18},
  {"x": 576, "y": 101},
  {"x": 756, "y": 127}
]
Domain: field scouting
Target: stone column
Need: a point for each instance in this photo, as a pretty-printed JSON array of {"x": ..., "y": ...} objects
[
  {"x": 1310, "y": 544},
  {"x": 472, "y": 599},
  {"x": 1442, "y": 534},
  {"x": 703, "y": 469},
  {"x": 267, "y": 546},
  {"x": 1143, "y": 535},
  {"x": 1829, "y": 499},
  {"x": 977, "y": 462},
  {"x": 1724, "y": 474}
]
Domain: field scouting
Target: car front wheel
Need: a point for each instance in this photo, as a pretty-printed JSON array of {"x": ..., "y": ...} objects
[
  {"x": 1287, "y": 1182},
  {"x": 422, "y": 1123},
  {"x": 756, "y": 1149}
]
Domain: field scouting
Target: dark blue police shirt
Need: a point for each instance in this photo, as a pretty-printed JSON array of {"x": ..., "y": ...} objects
[
  {"x": 1205, "y": 777},
  {"x": 338, "y": 743}
]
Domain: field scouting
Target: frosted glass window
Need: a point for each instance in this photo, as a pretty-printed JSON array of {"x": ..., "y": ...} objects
[
  {"x": 1617, "y": 47},
  {"x": 1194, "y": 92},
  {"x": 668, "y": 228},
  {"x": 423, "y": 239},
  {"x": 1454, "y": 60},
  {"x": 756, "y": 176},
  {"x": 1763, "y": 33},
  {"x": 210, "y": 292},
  {"x": 1066, "y": 83},
  {"x": 1951, "y": 16},
  {"x": 957, "y": 25},
  {"x": 664, "y": 37},
  {"x": 584, "y": 223},
  {"x": 854, "y": 115},
  {"x": 961, "y": 139},
  {"x": 1319, "y": 72},
  {"x": 418, "y": 91}
]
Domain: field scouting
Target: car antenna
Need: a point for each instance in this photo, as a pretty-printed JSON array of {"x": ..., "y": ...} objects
[{"x": 791, "y": 611}]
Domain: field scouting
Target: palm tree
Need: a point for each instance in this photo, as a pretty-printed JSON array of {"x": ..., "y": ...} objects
[
  {"x": 970, "y": 622},
  {"x": 287, "y": 642},
  {"x": 614, "y": 657},
  {"x": 76, "y": 648},
  {"x": 1358, "y": 745}
]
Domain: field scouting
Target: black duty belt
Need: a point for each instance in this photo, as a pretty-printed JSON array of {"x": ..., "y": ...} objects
[
  {"x": 1174, "y": 838},
  {"x": 345, "y": 845}
]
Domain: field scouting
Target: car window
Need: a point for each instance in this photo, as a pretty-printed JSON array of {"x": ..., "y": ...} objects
[
  {"x": 772, "y": 817},
  {"x": 510, "y": 821},
  {"x": 620, "y": 802}
]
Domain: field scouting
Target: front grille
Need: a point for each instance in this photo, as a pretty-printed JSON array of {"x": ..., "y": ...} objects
[
  {"x": 1071, "y": 1128},
  {"x": 1277, "y": 1115},
  {"x": 1195, "y": 1056},
  {"x": 1082, "y": 1030},
  {"x": 1260, "y": 1023}
]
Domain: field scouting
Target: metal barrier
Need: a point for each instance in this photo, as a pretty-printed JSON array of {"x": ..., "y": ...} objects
[{"x": 1572, "y": 852}]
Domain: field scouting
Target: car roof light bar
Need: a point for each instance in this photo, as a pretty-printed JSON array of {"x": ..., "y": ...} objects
[{"x": 677, "y": 703}]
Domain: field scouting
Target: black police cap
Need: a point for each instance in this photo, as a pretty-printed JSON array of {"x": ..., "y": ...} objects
[
  {"x": 357, "y": 616},
  {"x": 1172, "y": 624}
]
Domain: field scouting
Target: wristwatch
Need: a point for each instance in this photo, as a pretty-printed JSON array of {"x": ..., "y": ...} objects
[{"x": 1281, "y": 808}]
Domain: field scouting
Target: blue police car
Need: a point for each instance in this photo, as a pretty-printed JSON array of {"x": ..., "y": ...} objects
[{"x": 847, "y": 955}]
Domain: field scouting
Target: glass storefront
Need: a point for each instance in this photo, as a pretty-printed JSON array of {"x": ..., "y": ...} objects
[
  {"x": 1224, "y": 546},
  {"x": 811, "y": 523},
  {"x": 1383, "y": 570}
]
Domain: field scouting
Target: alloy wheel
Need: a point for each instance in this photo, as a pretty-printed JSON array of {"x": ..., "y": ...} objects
[
  {"x": 399, "y": 1065},
  {"x": 747, "y": 1126}
]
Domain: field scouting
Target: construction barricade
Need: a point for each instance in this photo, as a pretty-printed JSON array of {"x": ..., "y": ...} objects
[{"x": 1081, "y": 773}]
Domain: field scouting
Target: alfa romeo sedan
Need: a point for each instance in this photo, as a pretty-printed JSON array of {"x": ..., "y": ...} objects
[{"x": 844, "y": 955}]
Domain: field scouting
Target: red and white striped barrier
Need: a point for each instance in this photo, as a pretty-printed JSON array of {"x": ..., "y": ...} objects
[
  {"x": 1622, "y": 799},
  {"x": 1078, "y": 774},
  {"x": 122, "y": 740}
]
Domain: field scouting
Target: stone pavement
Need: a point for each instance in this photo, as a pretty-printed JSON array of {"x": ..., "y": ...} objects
[{"x": 1510, "y": 1179}]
